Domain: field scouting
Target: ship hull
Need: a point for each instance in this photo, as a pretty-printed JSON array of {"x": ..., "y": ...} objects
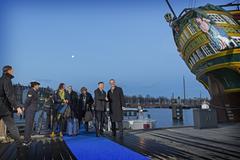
[
  {"x": 221, "y": 77},
  {"x": 227, "y": 103},
  {"x": 208, "y": 39}
]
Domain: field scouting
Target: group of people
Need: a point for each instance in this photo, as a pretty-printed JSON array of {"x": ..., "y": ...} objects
[{"x": 63, "y": 103}]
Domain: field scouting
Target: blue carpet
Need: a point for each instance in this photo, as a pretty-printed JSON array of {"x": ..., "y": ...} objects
[{"x": 90, "y": 147}]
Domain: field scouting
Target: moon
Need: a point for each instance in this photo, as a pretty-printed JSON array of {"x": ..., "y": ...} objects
[{"x": 73, "y": 56}]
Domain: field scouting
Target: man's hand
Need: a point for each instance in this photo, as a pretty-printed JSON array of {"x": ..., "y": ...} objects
[{"x": 19, "y": 111}]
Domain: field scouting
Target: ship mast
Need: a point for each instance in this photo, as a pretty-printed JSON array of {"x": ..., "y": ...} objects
[
  {"x": 184, "y": 90},
  {"x": 171, "y": 9}
]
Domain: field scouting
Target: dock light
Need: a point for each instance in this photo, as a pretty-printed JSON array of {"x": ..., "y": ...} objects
[{"x": 168, "y": 17}]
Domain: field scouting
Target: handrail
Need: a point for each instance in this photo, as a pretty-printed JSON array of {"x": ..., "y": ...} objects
[{"x": 219, "y": 107}]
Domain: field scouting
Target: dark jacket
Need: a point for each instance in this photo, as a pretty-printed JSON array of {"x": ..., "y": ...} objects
[
  {"x": 7, "y": 96},
  {"x": 73, "y": 101},
  {"x": 32, "y": 100},
  {"x": 57, "y": 99},
  {"x": 49, "y": 105},
  {"x": 100, "y": 100},
  {"x": 116, "y": 102},
  {"x": 88, "y": 104}
]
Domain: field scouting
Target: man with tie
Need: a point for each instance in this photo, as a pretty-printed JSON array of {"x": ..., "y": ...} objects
[{"x": 100, "y": 108}]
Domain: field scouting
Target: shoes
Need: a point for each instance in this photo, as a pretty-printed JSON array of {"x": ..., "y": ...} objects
[
  {"x": 61, "y": 134},
  {"x": 52, "y": 135}
]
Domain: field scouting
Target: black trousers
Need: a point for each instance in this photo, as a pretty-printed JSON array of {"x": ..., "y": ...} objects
[
  {"x": 120, "y": 127},
  {"x": 12, "y": 128},
  {"x": 53, "y": 120},
  {"x": 82, "y": 115},
  {"x": 99, "y": 115},
  {"x": 29, "y": 118}
]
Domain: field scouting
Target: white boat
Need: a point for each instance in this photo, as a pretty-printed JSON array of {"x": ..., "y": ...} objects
[{"x": 134, "y": 119}]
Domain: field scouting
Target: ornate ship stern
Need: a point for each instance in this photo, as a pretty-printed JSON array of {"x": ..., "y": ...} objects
[{"x": 208, "y": 39}]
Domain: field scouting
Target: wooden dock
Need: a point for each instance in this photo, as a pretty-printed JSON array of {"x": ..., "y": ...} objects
[
  {"x": 186, "y": 143},
  {"x": 40, "y": 149},
  {"x": 170, "y": 143}
]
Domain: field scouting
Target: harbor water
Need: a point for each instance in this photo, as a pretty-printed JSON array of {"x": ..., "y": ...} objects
[{"x": 163, "y": 116}]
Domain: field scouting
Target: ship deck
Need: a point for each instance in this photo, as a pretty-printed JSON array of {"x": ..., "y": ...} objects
[{"x": 169, "y": 143}]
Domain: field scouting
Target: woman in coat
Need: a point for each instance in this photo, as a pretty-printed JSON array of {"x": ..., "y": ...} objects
[
  {"x": 85, "y": 103},
  {"x": 61, "y": 100}
]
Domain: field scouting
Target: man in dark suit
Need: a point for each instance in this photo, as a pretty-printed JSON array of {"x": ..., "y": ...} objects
[
  {"x": 30, "y": 109},
  {"x": 116, "y": 103},
  {"x": 8, "y": 103},
  {"x": 100, "y": 107}
]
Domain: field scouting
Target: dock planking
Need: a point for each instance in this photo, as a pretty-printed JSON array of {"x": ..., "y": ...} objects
[
  {"x": 40, "y": 149},
  {"x": 186, "y": 143},
  {"x": 170, "y": 143}
]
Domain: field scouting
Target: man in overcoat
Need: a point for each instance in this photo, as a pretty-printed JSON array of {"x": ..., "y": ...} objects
[
  {"x": 116, "y": 103},
  {"x": 8, "y": 103}
]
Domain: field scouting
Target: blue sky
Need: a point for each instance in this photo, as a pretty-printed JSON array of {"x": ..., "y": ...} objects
[{"x": 128, "y": 40}]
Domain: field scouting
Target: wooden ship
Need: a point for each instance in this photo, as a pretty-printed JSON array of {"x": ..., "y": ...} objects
[{"x": 208, "y": 39}]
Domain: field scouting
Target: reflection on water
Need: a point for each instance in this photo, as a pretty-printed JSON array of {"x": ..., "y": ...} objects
[{"x": 163, "y": 116}]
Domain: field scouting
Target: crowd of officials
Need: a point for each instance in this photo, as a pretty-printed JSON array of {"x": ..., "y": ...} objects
[{"x": 63, "y": 104}]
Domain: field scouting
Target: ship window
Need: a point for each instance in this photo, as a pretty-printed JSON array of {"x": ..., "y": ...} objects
[
  {"x": 200, "y": 54},
  {"x": 216, "y": 18},
  {"x": 213, "y": 47},
  {"x": 191, "y": 29},
  {"x": 186, "y": 34},
  {"x": 183, "y": 37},
  {"x": 193, "y": 60},
  {"x": 195, "y": 57},
  {"x": 181, "y": 43},
  {"x": 207, "y": 50},
  {"x": 190, "y": 63},
  {"x": 229, "y": 20},
  {"x": 236, "y": 39}
]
